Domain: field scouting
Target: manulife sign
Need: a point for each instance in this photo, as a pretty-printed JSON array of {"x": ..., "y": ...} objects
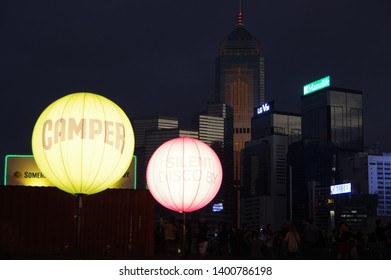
[{"x": 317, "y": 85}]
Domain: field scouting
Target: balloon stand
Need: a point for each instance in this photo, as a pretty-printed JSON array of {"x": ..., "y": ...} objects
[
  {"x": 184, "y": 235},
  {"x": 79, "y": 205}
]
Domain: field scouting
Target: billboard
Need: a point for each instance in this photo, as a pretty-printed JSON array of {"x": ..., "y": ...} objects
[
  {"x": 316, "y": 85},
  {"x": 217, "y": 207},
  {"x": 22, "y": 170},
  {"x": 341, "y": 188},
  {"x": 264, "y": 108}
]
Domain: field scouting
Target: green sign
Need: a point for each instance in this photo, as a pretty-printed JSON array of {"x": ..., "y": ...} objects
[{"x": 317, "y": 85}]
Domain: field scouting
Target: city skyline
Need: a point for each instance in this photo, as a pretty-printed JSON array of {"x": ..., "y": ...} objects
[{"x": 149, "y": 57}]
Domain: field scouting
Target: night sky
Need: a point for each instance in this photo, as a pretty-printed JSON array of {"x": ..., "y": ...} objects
[{"x": 156, "y": 57}]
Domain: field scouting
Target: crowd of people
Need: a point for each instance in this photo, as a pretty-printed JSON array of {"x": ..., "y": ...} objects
[{"x": 304, "y": 241}]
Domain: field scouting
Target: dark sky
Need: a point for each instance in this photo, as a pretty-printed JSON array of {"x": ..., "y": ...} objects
[{"x": 155, "y": 57}]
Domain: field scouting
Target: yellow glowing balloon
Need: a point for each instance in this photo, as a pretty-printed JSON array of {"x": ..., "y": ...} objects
[{"x": 83, "y": 143}]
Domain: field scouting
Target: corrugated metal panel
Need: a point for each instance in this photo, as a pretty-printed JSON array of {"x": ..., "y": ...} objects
[
  {"x": 35, "y": 221},
  {"x": 42, "y": 223},
  {"x": 117, "y": 223}
]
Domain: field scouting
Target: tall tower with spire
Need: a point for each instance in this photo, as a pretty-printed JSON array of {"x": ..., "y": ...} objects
[{"x": 240, "y": 84}]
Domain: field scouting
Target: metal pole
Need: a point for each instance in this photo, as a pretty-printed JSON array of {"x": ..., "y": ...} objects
[
  {"x": 290, "y": 192},
  {"x": 78, "y": 230},
  {"x": 184, "y": 234}
]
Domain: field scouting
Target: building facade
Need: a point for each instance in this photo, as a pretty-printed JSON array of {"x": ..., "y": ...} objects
[
  {"x": 313, "y": 169},
  {"x": 150, "y": 132},
  {"x": 141, "y": 125},
  {"x": 240, "y": 83},
  {"x": 264, "y": 166},
  {"x": 264, "y": 182},
  {"x": 335, "y": 115},
  {"x": 329, "y": 155},
  {"x": 215, "y": 127},
  {"x": 379, "y": 179},
  {"x": 268, "y": 121}
]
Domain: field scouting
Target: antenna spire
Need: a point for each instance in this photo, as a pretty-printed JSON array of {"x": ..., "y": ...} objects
[{"x": 239, "y": 17}]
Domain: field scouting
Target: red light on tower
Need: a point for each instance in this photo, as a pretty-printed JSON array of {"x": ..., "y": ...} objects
[{"x": 240, "y": 19}]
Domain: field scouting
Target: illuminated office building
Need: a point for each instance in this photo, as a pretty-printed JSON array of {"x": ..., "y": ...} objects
[
  {"x": 264, "y": 166},
  {"x": 215, "y": 127},
  {"x": 268, "y": 121},
  {"x": 379, "y": 179},
  {"x": 141, "y": 125},
  {"x": 240, "y": 84},
  {"x": 145, "y": 143},
  {"x": 332, "y": 133},
  {"x": 312, "y": 170},
  {"x": 335, "y": 115},
  {"x": 155, "y": 138}
]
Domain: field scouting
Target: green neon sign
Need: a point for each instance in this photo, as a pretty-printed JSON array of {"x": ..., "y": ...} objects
[{"x": 317, "y": 85}]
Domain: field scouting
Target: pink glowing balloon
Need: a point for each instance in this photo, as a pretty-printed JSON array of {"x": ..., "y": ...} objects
[{"x": 184, "y": 174}]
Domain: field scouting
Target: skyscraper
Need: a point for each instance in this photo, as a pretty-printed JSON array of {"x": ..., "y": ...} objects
[
  {"x": 215, "y": 127},
  {"x": 264, "y": 168},
  {"x": 332, "y": 133},
  {"x": 335, "y": 115},
  {"x": 240, "y": 83},
  {"x": 379, "y": 178},
  {"x": 268, "y": 121},
  {"x": 143, "y": 127}
]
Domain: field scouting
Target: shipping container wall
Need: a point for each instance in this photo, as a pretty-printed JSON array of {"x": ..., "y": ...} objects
[{"x": 42, "y": 223}]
